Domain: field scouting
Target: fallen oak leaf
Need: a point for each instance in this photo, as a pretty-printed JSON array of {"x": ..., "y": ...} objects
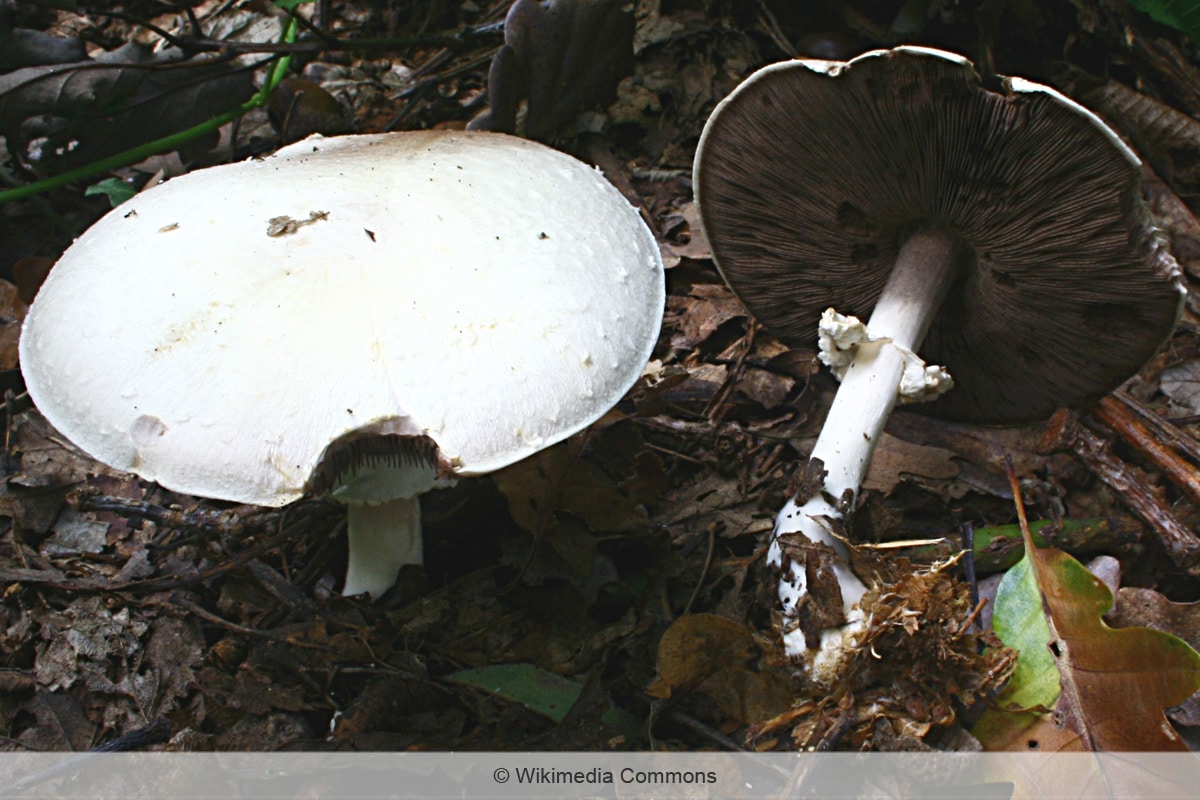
[
  {"x": 1115, "y": 683},
  {"x": 1150, "y": 609}
]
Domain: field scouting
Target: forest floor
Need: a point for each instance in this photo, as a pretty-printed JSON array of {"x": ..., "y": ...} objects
[{"x": 611, "y": 592}]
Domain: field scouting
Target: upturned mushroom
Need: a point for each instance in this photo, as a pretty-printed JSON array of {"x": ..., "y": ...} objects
[
  {"x": 365, "y": 317},
  {"x": 1000, "y": 232}
]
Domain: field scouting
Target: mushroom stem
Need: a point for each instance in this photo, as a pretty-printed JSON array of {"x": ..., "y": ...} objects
[
  {"x": 925, "y": 268},
  {"x": 383, "y": 538}
]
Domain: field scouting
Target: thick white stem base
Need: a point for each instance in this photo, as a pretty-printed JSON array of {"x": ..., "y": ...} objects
[
  {"x": 847, "y": 440},
  {"x": 383, "y": 538},
  {"x": 923, "y": 271}
]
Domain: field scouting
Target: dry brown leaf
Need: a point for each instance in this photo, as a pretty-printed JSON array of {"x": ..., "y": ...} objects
[
  {"x": 746, "y": 696},
  {"x": 708, "y": 653},
  {"x": 12, "y": 312},
  {"x": 84, "y": 637},
  {"x": 258, "y": 694},
  {"x": 1149, "y": 609},
  {"x": 29, "y": 274},
  {"x": 174, "y": 650},
  {"x": 61, "y": 724},
  {"x": 697, "y": 316},
  {"x": 694, "y": 245},
  {"x": 896, "y": 458},
  {"x": 769, "y": 389},
  {"x": 716, "y": 499},
  {"x": 1181, "y": 383},
  {"x": 47, "y": 459},
  {"x": 698, "y": 645},
  {"x": 557, "y": 479}
]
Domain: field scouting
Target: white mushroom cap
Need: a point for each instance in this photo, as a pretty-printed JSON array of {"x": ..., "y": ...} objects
[{"x": 216, "y": 333}]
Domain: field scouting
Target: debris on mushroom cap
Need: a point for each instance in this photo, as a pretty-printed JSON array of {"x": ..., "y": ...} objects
[
  {"x": 818, "y": 171},
  {"x": 485, "y": 291}
]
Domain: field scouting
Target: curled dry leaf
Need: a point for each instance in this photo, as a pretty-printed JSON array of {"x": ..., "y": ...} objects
[
  {"x": 768, "y": 389},
  {"x": 687, "y": 238}
]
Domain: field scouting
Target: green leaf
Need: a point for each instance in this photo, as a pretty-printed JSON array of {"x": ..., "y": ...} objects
[
  {"x": 544, "y": 692},
  {"x": 1020, "y": 623},
  {"x": 116, "y": 190},
  {"x": 1182, "y": 15},
  {"x": 1014, "y": 721}
]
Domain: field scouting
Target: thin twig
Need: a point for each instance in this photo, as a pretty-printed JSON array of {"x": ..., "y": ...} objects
[
  {"x": 230, "y": 522},
  {"x": 221, "y": 622},
  {"x": 56, "y": 579},
  {"x": 1065, "y": 433},
  {"x": 1128, "y": 427},
  {"x": 708, "y": 558},
  {"x": 1166, "y": 429}
]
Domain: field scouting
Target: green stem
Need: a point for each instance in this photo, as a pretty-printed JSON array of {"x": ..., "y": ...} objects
[
  {"x": 998, "y": 547},
  {"x": 166, "y": 143}
]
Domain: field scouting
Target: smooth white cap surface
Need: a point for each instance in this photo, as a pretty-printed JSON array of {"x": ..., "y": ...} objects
[{"x": 214, "y": 334}]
